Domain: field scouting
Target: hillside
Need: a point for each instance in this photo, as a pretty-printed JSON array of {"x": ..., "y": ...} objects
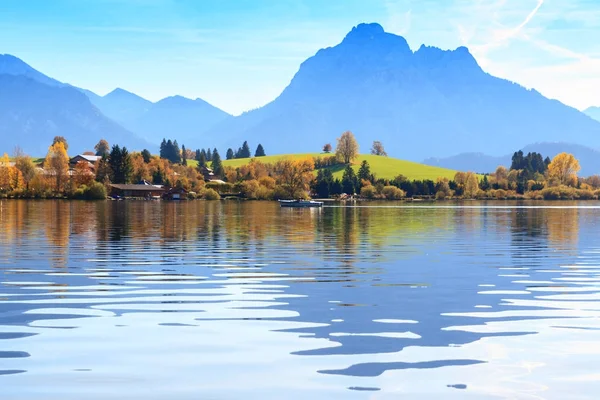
[
  {"x": 383, "y": 167},
  {"x": 424, "y": 103}
]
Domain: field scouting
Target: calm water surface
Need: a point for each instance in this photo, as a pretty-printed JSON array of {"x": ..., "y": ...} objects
[{"x": 227, "y": 300}]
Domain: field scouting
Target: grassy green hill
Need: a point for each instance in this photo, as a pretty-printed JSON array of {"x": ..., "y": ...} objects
[{"x": 383, "y": 167}]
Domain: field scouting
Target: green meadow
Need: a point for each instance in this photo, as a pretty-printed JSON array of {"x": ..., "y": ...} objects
[{"x": 382, "y": 167}]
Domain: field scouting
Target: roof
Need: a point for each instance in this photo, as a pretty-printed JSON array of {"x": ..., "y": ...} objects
[
  {"x": 87, "y": 157},
  {"x": 140, "y": 188}
]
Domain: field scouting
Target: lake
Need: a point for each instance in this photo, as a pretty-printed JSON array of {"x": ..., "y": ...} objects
[{"x": 233, "y": 300}]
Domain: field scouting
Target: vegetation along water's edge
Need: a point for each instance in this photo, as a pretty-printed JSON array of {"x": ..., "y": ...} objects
[{"x": 180, "y": 173}]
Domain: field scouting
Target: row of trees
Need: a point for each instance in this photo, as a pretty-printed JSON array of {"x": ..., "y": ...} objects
[{"x": 244, "y": 152}]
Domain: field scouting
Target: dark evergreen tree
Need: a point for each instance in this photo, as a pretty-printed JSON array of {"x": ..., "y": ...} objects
[
  {"x": 260, "y": 152},
  {"x": 323, "y": 183},
  {"x": 336, "y": 188},
  {"x": 120, "y": 165},
  {"x": 364, "y": 172},
  {"x": 216, "y": 164},
  {"x": 158, "y": 177},
  {"x": 229, "y": 154},
  {"x": 175, "y": 154},
  {"x": 485, "y": 183},
  {"x": 209, "y": 156},
  {"x": 202, "y": 160},
  {"x": 245, "y": 150},
  {"x": 183, "y": 155},
  {"x": 146, "y": 156},
  {"x": 197, "y": 156},
  {"x": 163, "y": 149},
  {"x": 349, "y": 180}
]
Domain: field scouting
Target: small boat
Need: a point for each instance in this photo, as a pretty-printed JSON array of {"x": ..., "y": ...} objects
[{"x": 300, "y": 203}]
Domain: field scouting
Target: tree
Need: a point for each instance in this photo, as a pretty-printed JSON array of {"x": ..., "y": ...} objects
[
  {"x": 175, "y": 153},
  {"x": 57, "y": 162},
  {"x": 295, "y": 175},
  {"x": 347, "y": 148},
  {"x": 245, "y": 151},
  {"x": 120, "y": 165},
  {"x": 209, "y": 155},
  {"x": 323, "y": 183},
  {"x": 183, "y": 155},
  {"x": 202, "y": 159},
  {"x": 102, "y": 148},
  {"x": 349, "y": 181},
  {"x": 163, "y": 149},
  {"x": 260, "y": 151},
  {"x": 24, "y": 164},
  {"x": 216, "y": 164},
  {"x": 103, "y": 171},
  {"x": 377, "y": 149},
  {"x": 62, "y": 140},
  {"x": 229, "y": 154},
  {"x": 82, "y": 174},
  {"x": 364, "y": 173},
  {"x": 146, "y": 156},
  {"x": 471, "y": 185},
  {"x": 327, "y": 148},
  {"x": 5, "y": 184},
  {"x": 564, "y": 168}
]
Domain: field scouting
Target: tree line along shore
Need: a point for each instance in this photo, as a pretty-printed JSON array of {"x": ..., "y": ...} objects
[{"x": 114, "y": 172}]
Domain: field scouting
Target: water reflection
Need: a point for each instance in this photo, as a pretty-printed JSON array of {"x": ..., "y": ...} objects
[{"x": 180, "y": 299}]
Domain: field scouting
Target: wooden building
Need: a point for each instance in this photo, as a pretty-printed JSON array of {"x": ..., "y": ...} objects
[{"x": 142, "y": 191}]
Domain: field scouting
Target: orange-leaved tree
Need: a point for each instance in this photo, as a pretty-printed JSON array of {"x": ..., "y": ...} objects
[
  {"x": 564, "y": 168},
  {"x": 57, "y": 163},
  {"x": 295, "y": 175}
]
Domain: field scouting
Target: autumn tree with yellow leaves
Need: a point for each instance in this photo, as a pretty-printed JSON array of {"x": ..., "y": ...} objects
[
  {"x": 347, "y": 147},
  {"x": 563, "y": 169},
  {"x": 295, "y": 175},
  {"x": 57, "y": 163}
]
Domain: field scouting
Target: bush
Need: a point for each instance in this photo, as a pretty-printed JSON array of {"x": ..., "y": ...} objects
[
  {"x": 559, "y": 193},
  {"x": 500, "y": 194},
  {"x": 368, "y": 192},
  {"x": 211, "y": 194},
  {"x": 393, "y": 193},
  {"x": 440, "y": 195},
  {"x": 96, "y": 191},
  {"x": 220, "y": 187}
]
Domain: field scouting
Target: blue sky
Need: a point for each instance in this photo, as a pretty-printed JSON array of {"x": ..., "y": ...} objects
[{"x": 240, "y": 54}]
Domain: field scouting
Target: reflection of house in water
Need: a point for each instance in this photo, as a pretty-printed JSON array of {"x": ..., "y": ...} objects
[{"x": 142, "y": 189}]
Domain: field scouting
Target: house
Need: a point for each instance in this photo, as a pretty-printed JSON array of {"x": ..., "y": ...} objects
[
  {"x": 91, "y": 160},
  {"x": 176, "y": 194},
  {"x": 207, "y": 174},
  {"x": 136, "y": 190}
]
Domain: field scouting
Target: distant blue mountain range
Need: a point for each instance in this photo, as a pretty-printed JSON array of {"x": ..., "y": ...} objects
[{"x": 420, "y": 104}]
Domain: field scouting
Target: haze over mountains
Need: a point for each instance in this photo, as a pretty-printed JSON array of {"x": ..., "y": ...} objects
[
  {"x": 420, "y": 104},
  {"x": 593, "y": 112},
  {"x": 35, "y": 108}
]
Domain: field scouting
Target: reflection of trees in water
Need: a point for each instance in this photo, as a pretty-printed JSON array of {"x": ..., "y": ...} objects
[{"x": 57, "y": 225}]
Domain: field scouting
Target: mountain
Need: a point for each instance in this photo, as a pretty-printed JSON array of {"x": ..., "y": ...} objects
[
  {"x": 120, "y": 105},
  {"x": 589, "y": 158},
  {"x": 174, "y": 117},
  {"x": 178, "y": 118},
  {"x": 32, "y": 113},
  {"x": 593, "y": 112},
  {"x": 11, "y": 65},
  {"x": 475, "y": 162},
  {"x": 420, "y": 104}
]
